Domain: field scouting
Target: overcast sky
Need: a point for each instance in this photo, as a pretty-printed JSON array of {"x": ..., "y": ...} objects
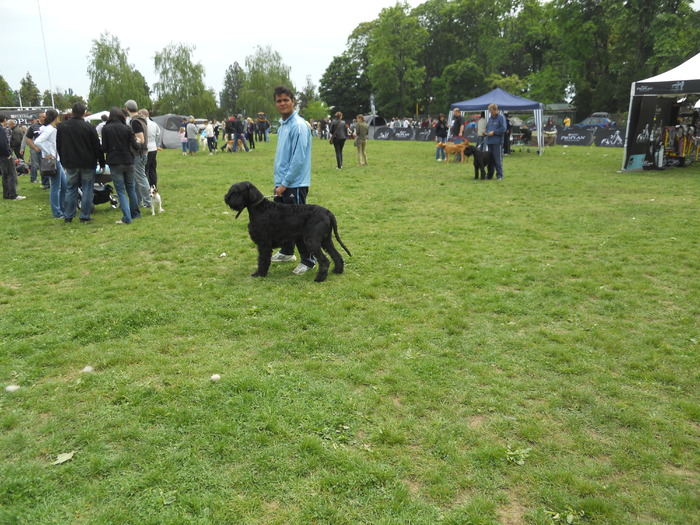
[{"x": 307, "y": 34}]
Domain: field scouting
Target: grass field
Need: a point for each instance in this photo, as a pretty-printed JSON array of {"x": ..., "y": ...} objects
[{"x": 520, "y": 351}]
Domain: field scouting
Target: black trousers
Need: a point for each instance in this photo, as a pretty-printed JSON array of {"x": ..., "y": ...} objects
[
  {"x": 338, "y": 144},
  {"x": 151, "y": 165},
  {"x": 296, "y": 196}
]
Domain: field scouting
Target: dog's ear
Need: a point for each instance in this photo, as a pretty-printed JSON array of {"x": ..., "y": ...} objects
[{"x": 253, "y": 193}]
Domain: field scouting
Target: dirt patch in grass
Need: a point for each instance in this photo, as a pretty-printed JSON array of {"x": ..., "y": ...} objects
[
  {"x": 476, "y": 421},
  {"x": 512, "y": 513}
]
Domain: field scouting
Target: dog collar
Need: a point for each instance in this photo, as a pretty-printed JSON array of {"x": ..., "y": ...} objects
[{"x": 250, "y": 206}]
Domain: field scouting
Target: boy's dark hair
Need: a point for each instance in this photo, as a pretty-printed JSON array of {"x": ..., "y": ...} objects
[
  {"x": 78, "y": 109},
  {"x": 283, "y": 90}
]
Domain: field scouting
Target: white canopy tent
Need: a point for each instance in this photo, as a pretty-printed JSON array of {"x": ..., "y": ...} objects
[{"x": 646, "y": 96}]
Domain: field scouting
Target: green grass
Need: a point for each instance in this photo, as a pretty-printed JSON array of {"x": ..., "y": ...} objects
[{"x": 555, "y": 311}]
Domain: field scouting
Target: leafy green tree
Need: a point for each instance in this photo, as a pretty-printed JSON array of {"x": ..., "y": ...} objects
[
  {"x": 461, "y": 80},
  {"x": 344, "y": 88},
  {"x": 265, "y": 70},
  {"x": 584, "y": 39},
  {"x": 113, "y": 80},
  {"x": 181, "y": 87},
  {"x": 394, "y": 49},
  {"x": 650, "y": 36},
  {"x": 315, "y": 109},
  {"x": 547, "y": 85},
  {"x": 29, "y": 93},
  {"x": 345, "y": 84},
  {"x": 234, "y": 79},
  {"x": 444, "y": 47},
  {"x": 63, "y": 100},
  {"x": 7, "y": 96},
  {"x": 307, "y": 95},
  {"x": 512, "y": 84},
  {"x": 532, "y": 37}
]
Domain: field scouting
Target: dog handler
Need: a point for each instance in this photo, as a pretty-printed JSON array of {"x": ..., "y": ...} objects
[
  {"x": 292, "y": 170},
  {"x": 495, "y": 129}
]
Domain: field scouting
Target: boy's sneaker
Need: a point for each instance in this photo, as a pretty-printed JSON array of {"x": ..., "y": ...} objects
[
  {"x": 280, "y": 257},
  {"x": 301, "y": 269}
]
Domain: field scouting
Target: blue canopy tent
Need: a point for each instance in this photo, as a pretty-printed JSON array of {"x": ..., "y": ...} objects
[{"x": 506, "y": 102}]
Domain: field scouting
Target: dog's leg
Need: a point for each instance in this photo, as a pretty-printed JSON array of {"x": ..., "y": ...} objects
[
  {"x": 338, "y": 263},
  {"x": 323, "y": 264},
  {"x": 264, "y": 256},
  {"x": 314, "y": 249}
]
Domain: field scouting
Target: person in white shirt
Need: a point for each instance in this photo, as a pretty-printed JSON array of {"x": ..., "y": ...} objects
[
  {"x": 152, "y": 141},
  {"x": 46, "y": 142}
]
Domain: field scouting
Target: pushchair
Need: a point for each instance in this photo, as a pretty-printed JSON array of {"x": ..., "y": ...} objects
[{"x": 102, "y": 192}]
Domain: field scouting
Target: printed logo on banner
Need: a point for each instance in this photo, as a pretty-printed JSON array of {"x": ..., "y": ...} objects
[
  {"x": 403, "y": 134},
  {"x": 609, "y": 138},
  {"x": 575, "y": 137},
  {"x": 383, "y": 133},
  {"x": 425, "y": 134},
  {"x": 678, "y": 86}
]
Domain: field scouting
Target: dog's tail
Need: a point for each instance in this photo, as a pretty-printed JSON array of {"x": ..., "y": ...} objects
[{"x": 335, "y": 231}]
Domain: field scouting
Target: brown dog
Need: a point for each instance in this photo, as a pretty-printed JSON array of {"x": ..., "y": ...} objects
[{"x": 454, "y": 149}]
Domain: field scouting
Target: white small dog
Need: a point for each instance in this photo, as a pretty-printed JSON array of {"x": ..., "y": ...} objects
[{"x": 155, "y": 199}]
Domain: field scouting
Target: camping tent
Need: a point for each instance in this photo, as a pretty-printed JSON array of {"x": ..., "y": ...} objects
[
  {"x": 661, "y": 94},
  {"x": 506, "y": 102}
]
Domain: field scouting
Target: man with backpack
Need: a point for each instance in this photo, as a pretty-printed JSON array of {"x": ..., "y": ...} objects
[{"x": 140, "y": 127}]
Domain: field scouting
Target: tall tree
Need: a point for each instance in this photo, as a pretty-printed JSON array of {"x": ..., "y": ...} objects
[
  {"x": 393, "y": 51},
  {"x": 181, "y": 87},
  {"x": 459, "y": 81},
  {"x": 345, "y": 84},
  {"x": 7, "y": 96},
  {"x": 233, "y": 84},
  {"x": 112, "y": 79},
  {"x": 306, "y": 95},
  {"x": 29, "y": 92},
  {"x": 265, "y": 70},
  {"x": 315, "y": 110},
  {"x": 444, "y": 47},
  {"x": 63, "y": 100}
]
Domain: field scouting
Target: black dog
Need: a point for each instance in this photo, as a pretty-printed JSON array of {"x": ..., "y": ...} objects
[
  {"x": 482, "y": 160},
  {"x": 273, "y": 224}
]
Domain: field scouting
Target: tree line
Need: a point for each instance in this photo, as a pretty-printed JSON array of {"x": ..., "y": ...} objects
[
  {"x": 180, "y": 88},
  {"x": 444, "y": 51},
  {"x": 419, "y": 60}
]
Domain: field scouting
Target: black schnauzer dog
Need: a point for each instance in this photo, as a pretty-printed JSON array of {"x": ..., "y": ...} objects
[
  {"x": 482, "y": 160},
  {"x": 273, "y": 224}
]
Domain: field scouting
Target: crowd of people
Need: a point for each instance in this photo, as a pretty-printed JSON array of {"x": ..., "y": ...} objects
[{"x": 68, "y": 153}]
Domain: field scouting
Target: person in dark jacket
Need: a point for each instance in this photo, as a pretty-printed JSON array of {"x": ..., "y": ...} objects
[
  {"x": 239, "y": 127},
  {"x": 339, "y": 134},
  {"x": 80, "y": 152},
  {"x": 118, "y": 141},
  {"x": 7, "y": 166},
  {"x": 228, "y": 130}
]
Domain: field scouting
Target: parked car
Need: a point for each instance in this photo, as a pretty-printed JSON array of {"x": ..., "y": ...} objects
[{"x": 597, "y": 120}]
